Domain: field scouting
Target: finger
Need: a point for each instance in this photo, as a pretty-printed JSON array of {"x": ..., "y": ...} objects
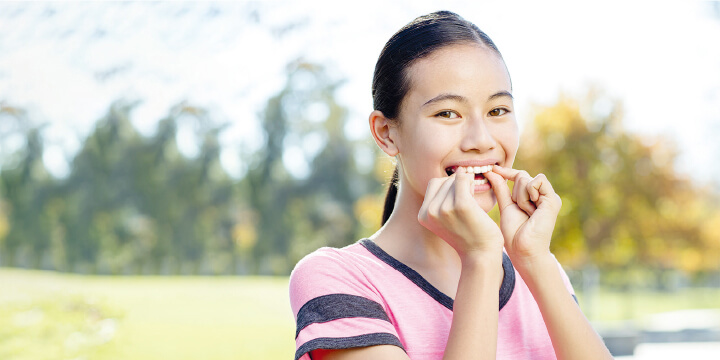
[
  {"x": 542, "y": 188},
  {"x": 533, "y": 189},
  {"x": 509, "y": 173},
  {"x": 520, "y": 181},
  {"x": 518, "y": 184},
  {"x": 522, "y": 197},
  {"x": 459, "y": 190},
  {"x": 463, "y": 183},
  {"x": 435, "y": 202},
  {"x": 463, "y": 201},
  {"x": 433, "y": 187},
  {"x": 500, "y": 188}
]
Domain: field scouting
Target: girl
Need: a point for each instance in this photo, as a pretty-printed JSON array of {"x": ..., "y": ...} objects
[{"x": 429, "y": 283}]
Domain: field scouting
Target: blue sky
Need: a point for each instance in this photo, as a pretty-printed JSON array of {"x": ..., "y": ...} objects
[{"x": 67, "y": 62}]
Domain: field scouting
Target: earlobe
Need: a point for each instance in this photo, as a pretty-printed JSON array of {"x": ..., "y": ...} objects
[{"x": 384, "y": 133}]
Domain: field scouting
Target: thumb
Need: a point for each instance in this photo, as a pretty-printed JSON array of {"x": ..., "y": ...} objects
[
  {"x": 463, "y": 183},
  {"x": 499, "y": 186}
]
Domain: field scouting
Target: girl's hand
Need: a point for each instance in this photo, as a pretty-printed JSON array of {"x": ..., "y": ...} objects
[
  {"x": 527, "y": 217},
  {"x": 450, "y": 211}
]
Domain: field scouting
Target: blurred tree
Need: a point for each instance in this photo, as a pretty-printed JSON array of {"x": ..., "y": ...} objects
[
  {"x": 304, "y": 182},
  {"x": 129, "y": 205},
  {"x": 100, "y": 199},
  {"x": 624, "y": 204},
  {"x": 26, "y": 191},
  {"x": 138, "y": 205},
  {"x": 188, "y": 199}
]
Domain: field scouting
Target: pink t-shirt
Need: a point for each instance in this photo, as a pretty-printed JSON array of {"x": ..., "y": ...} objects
[{"x": 361, "y": 296}]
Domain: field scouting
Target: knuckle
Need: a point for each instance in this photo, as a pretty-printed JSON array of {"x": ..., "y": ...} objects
[
  {"x": 422, "y": 216},
  {"x": 429, "y": 214},
  {"x": 433, "y": 213},
  {"x": 422, "y": 220},
  {"x": 446, "y": 210},
  {"x": 463, "y": 207}
]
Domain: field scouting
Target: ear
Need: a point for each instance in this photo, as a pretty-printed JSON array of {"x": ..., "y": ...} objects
[{"x": 383, "y": 132}]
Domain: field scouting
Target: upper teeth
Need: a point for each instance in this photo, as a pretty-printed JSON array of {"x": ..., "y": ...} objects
[{"x": 477, "y": 169}]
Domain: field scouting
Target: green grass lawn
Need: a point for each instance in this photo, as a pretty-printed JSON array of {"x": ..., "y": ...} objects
[
  {"x": 609, "y": 306},
  {"x": 46, "y": 315}
]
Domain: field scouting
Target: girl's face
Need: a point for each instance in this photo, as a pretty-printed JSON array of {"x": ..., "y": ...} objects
[{"x": 458, "y": 112}]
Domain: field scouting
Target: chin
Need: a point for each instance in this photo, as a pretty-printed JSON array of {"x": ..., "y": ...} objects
[{"x": 486, "y": 201}]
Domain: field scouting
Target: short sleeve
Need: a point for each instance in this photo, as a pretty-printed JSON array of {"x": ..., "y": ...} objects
[{"x": 335, "y": 306}]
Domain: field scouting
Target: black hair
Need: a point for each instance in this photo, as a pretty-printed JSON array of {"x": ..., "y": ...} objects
[{"x": 414, "y": 41}]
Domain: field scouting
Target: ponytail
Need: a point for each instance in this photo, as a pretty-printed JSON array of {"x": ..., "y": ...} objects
[{"x": 390, "y": 197}]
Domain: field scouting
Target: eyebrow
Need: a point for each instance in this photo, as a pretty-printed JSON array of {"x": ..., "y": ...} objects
[
  {"x": 501, "y": 94},
  {"x": 462, "y": 99},
  {"x": 446, "y": 96}
]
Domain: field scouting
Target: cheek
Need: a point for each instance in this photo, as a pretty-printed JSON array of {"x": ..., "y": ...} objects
[
  {"x": 427, "y": 143},
  {"x": 507, "y": 135}
]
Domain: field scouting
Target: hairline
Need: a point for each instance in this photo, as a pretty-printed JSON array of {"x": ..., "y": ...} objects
[{"x": 407, "y": 82}]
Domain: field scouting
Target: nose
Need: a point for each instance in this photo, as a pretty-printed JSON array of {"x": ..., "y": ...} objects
[{"x": 477, "y": 136}]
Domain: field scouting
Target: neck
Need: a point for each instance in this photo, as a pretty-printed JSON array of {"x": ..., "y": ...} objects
[{"x": 404, "y": 238}]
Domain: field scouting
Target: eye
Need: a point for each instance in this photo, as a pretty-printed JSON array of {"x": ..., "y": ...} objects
[
  {"x": 498, "y": 112},
  {"x": 447, "y": 114}
]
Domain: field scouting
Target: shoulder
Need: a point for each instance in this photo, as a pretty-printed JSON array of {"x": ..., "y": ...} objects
[
  {"x": 326, "y": 262},
  {"x": 329, "y": 271},
  {"x": 335, "y": 305},
  {"x": 323, "y": 258}
]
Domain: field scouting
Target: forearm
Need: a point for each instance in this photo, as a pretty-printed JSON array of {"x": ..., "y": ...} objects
[
  {"x": 571, "y": 333},
  {"x": 475, "y": 310}
]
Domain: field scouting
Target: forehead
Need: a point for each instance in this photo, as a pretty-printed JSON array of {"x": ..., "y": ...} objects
[{"x": 470, "y": 70}]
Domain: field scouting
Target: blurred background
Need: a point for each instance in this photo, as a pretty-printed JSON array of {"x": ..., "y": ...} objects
[{"x": 163, "y": 166}]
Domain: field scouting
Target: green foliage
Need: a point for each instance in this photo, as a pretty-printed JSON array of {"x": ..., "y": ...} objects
[
  {"x": 299, "y": 214},
  {"x": 130, "y": 205},
  {"x": 624, "y": 204},
  {"x": 29, "y": 191},
  {"x": 136, "y": 205}
]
